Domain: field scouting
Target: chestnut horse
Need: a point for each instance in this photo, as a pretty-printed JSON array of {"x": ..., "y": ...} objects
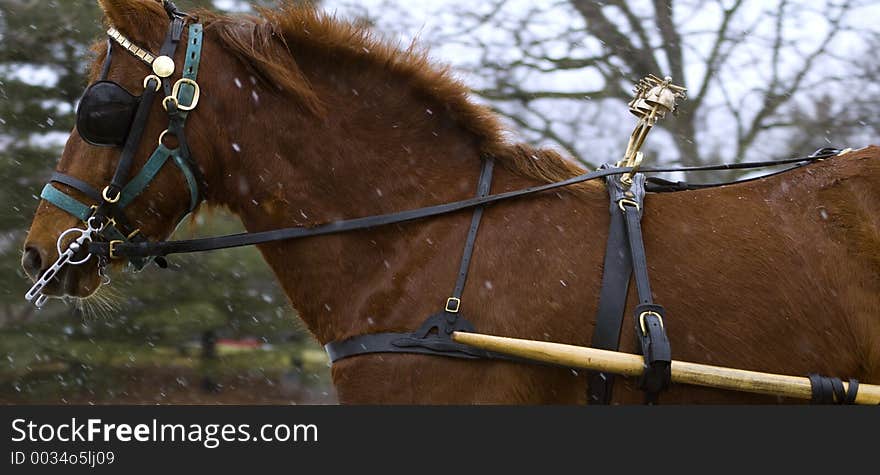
[{"x": 305, "y": 119}]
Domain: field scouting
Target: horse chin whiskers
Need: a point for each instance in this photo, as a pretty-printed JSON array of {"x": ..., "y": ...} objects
[{"x": 100, "y": 304}]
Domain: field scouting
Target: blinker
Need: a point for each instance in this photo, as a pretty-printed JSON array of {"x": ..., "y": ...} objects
[{"x": 105, "y": 113}]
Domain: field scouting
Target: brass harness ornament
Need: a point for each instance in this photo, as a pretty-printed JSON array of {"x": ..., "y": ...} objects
[{"x": 654, "y": 98}]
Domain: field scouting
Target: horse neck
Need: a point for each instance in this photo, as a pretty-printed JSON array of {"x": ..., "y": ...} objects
[{"x": 379, "y": 148}]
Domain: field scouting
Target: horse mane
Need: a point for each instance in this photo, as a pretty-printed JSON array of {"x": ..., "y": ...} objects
[{"x": 264, "y": 42}]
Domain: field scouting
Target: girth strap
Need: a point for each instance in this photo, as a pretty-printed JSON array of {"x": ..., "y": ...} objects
[{"x": 434, "y": 337}]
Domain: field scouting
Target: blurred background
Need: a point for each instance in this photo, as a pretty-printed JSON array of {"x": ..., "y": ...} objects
[{"x": 766, "y": 79}]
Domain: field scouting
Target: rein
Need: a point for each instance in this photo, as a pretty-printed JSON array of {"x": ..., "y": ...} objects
[{"x": 162, "y": 248}]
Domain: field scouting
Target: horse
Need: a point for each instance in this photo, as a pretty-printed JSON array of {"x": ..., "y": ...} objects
[{"x": 306, "y": 119}]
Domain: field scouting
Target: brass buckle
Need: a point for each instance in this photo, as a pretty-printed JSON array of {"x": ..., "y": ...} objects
[
  {"x": 155, "y": 78},
  {"x": 621, "y": 203},
  {"x": 642, "y": 320},
  {"x": 107, "y": 198},
  {"x": 172, "y": 99},
  {"x": 453, "y": 304},
  {"x": 111, "y": 222},
  {"x": 112, "y": 248},
  {"x": 176, "y": 90}
]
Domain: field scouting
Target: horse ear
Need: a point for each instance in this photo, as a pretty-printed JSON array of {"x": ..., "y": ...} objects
[{"x": 137, "y": 19}]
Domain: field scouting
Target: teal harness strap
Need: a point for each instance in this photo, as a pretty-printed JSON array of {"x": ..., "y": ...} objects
[
  {"x": 82, "y": 211},
  {"x": 190, "y": 180},
  {"x": 186, "y": 92},
  {"x": 144, "y": 177},
  {"x": 66, "y": 202}
]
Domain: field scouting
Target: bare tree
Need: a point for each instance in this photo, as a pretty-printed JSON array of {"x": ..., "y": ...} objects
[{"x": 758, "y": 72}]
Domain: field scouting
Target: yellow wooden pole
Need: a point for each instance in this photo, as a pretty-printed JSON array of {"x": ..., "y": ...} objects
[{"x": 632, "y": 365}]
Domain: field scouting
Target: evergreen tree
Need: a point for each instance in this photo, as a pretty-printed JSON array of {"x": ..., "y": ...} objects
[{"x": 145, "y": 320}]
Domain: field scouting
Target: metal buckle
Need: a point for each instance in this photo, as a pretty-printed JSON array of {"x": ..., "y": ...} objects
[
  {"x": 626, "y": 201},
  {"x": 453, "y": 304},
  {"x": 170, "y": 98},
  {"x": 107, "y": 198},
  {"x": 176, "y": 90},
  {"x": 642, "y": 320},
  {"x": 112, "y": 248},
  {"x": 111, "y": 222},
  {"x": 155, "y": 78}
]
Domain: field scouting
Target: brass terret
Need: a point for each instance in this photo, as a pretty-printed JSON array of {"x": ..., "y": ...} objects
[{"x": 654, "y": 98}]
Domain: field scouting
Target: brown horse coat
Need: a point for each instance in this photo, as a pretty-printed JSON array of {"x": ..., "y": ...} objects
[{"x": 305, "y": 119}]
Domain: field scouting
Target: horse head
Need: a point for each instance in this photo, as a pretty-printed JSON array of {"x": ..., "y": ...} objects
[{"x": 126, "y": 167}]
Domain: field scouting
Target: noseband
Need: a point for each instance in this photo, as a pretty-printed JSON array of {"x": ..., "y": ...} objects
[{"x": 108, "y": 115}]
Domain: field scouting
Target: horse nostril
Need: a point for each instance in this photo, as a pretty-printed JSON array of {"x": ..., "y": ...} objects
[{"x": 32, "y": 262}]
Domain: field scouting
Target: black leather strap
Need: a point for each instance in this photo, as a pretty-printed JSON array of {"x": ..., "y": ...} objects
[
  {"x": 246, "y": 239},
  {"x": 77, "y": 184},
  {"x": 139, "y": 123},
  {"x": 105, "y": 69},
  {"x": 632, "y": 217},
  {"x": 648, "y": 315},
  {"x": 434, "y": 337},
  {"x": 616, "y": 273},
  {"x": 483, "y": 187},
  {"x": 659, "y": 185},
  {"x": 829, "y": 390}
]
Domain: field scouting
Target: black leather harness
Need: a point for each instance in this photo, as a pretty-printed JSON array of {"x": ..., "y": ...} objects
[
  {"x": 434, "y": 337},
  {"x": 624, "y": 256}
]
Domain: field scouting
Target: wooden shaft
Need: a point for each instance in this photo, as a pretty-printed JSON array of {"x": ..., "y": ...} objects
[{"x": 632, "y": 365}]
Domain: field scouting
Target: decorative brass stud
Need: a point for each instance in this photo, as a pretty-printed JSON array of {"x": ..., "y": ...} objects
[
  {"x": 141, "y": 53},
  {"x": 163, "y": 66}
]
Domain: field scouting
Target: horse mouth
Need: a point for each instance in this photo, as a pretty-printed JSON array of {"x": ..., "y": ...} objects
[{"x": 74, "y": 282}]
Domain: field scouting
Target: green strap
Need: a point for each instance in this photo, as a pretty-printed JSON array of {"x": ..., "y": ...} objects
[
  {"x": 184, "y": 96},
  {"x": 74, "y": 207},
  {"x": 190, "y": 66},
  {"x": 145, "y": 176},
  {"x": 66, "y": 202},
  {"x": 190, "y": 180}
]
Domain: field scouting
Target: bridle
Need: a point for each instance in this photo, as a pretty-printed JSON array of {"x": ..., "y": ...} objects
[
  {"x": 109, "y": 116},
  {"x": 109, "y": 235}
]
